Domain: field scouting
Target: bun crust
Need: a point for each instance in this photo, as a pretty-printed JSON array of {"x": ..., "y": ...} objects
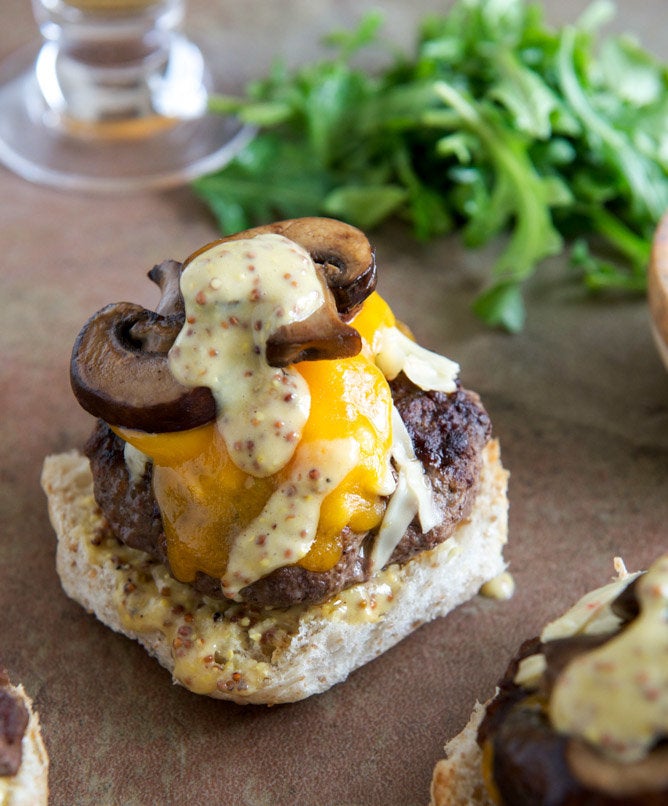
[
  {"x": 29, "y": 787},
  {"x": 457, "y": 779},
  {"x": 273, "y": 656}
]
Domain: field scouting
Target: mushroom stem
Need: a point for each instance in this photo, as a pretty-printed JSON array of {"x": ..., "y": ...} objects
[
  {"x": 159, "y": 335},
  {"x": 167, "y": 275}
]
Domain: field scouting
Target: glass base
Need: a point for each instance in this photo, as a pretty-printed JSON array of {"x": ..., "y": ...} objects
[{"x": 156, "y": 152}]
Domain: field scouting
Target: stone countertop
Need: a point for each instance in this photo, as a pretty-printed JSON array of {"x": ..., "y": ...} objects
[{"x": 579, "y": 401}]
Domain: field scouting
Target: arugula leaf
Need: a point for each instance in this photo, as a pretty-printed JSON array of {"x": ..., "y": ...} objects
[
  {"x": 502, "y": 305},
  {"x": 495, "y": 126},
  {"x": 648, "y": 186},
  {"x": 287, "y": 189},
  {"x": 518, "y": 193}
]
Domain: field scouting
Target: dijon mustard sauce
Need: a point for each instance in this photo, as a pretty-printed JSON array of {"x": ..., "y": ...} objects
[
  {"x": 236, "y": 295},
  {"x": 615, "y": 696},
  {"x": 218, "y": 647},
  {"x": 500, "y": 587},
  {"x": 286, "y": 526},
  {"x": 297, "y": 454}
]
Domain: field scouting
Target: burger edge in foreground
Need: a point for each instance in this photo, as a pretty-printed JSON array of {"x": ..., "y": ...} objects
[{"x": 579, "y": 716}]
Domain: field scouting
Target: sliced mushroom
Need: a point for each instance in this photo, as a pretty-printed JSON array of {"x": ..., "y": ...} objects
[
  {"x": 319, "y": 337},
  {"x": 644, "y": 781},
  {"x": 115, "y": 378},
  {"x": 119, "y": 368},
  {"x": 167, "y": 276},
  {"x": 158, "y": 339}
]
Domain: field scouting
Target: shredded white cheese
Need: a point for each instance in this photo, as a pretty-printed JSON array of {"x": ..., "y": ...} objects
[
  {"x": 135, "y": 461},
  {"x": 394, "y": 353},
  {"x": 412, "y": 495}
]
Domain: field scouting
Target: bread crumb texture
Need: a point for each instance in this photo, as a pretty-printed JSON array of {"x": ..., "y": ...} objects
[
  {"x": 30, "y": 785},
  {"x": 457, "y": 779}
]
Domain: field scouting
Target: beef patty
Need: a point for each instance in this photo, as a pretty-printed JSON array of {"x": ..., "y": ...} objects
[{"x": 449, "y": 432}]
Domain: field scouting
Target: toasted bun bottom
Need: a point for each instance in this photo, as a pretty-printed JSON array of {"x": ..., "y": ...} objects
[
  {"x": 235, "y": 652},
  {"x": 29, "y": 787},
  {"x": 457, "y": 778}
]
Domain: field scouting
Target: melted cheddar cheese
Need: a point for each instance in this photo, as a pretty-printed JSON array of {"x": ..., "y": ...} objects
[{"x": 205, "y": 499}]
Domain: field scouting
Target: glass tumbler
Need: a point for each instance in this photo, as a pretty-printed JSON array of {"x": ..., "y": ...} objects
[{"x": 115, "y": 98}]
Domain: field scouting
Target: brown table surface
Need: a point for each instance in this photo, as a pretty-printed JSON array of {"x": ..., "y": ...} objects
[{"x": 579, "y": 401}]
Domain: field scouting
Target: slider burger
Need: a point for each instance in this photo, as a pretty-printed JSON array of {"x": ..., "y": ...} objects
[
  {"x": 24, "y": 764},
  {"x": 281, "y": 483},
  {"x": 580, "y": 717}
]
